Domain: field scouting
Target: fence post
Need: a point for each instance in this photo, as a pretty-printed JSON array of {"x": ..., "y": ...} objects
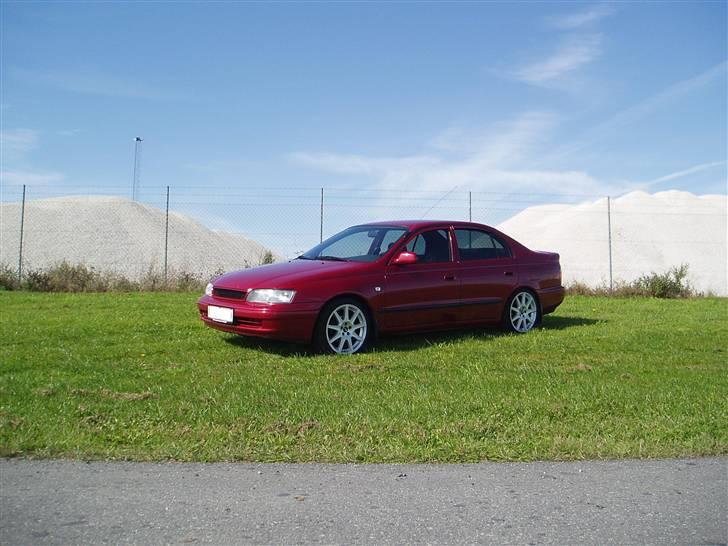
[
  {"x": 470, "y": 206},
  {"x": 166, "y": 237},
  {"x": 609, "y": 228},
  {"x": 20, "y": 247},
  {"x": 321, "y": 224}
]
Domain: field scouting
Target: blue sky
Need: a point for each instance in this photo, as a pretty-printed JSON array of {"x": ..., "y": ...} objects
[{"x": 558, "y": 98}]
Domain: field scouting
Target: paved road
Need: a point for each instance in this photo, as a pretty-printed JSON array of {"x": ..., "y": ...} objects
[{"x": 63, "y": 502}]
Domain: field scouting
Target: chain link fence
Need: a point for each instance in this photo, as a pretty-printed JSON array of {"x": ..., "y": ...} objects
[{"x": 203, "y": 230}]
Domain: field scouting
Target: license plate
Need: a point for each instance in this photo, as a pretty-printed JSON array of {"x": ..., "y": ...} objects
[{"x": 220, "y": 314}]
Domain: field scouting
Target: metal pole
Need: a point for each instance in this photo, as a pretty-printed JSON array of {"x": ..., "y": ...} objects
[
  {"x": 137, "y": 159},
  {"x": 166, "y": 237},
  {"x": 609, "y": 227},
  {"x": 470, "y": 206},
  {"x": 321, "y": 230},
  {"x": 20, "y": 248}
]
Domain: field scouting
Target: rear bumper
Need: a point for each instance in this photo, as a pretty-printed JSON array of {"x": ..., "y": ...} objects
[
  {"x": 551, "y": 298},
  {"x": 290, "y": 322}
]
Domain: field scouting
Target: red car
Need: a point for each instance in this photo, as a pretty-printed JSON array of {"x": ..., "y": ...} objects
[{"x": 389, "y": 277}]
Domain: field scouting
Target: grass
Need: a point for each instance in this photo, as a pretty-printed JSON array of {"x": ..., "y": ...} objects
[{"x": 136, "y": 376}]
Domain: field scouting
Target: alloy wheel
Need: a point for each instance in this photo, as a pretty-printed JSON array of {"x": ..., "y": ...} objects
[
  {"x": 346, "y": 329},
  {"x": 523, "y": 312}
]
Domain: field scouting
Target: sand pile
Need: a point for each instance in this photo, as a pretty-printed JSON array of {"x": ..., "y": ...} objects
[
  {"x": 115, "y": 234},
  {"x": 649, "y": 233}
]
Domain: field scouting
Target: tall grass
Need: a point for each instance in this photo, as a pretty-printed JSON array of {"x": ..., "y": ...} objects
[
  {"x": 672, "y": 283},
  {"x": 66, "y": 277}
]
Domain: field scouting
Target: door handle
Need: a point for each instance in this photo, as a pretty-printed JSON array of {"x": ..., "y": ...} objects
[
  {"x": 508, "y": 273},
  {"x": 449, "y": 277}
]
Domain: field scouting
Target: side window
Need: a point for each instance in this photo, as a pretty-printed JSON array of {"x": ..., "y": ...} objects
[
  {"x": 389, "y": 239},
  {"x": 474, "y": 244},
  {"x": 431, "y": 246}
]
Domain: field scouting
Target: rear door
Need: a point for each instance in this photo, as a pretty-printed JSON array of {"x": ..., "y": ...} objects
[
  {"x": 425, "y": 294},
  {"x": 487, "y": 275}
]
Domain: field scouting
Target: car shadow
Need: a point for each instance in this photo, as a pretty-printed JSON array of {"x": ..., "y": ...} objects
[
  {"x": 270, "y": 346},
  {"x": 413, "y": 342},
  {"x": 408, "y": 342}
]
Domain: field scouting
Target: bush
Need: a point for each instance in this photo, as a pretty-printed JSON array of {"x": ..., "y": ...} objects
[
  {"x": 8, "y": 278},
  {"x": 74, "y": 278},
  {"x": 671, "y": 284},
  {"x": 267, "y": 258},
  {"x": 65, "y": 277}
]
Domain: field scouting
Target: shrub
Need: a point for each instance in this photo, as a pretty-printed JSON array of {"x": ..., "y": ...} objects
[
  {"x": 267, "y": 258},
  {"x": 8, "y": 278},
  {"x": 671, "y": 284},
  {"x": 73, "y": 278}
]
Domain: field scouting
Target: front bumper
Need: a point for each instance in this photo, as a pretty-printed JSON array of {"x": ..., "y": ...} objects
[{"x": 289, "y": 321}]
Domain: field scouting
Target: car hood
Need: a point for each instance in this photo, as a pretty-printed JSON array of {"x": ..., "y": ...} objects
[{"x": 284, "y": 275}]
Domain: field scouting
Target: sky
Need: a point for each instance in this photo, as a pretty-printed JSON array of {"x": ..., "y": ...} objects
[{"x": 549, "y": 101}]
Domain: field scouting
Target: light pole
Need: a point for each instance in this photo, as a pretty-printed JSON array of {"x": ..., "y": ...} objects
[{"x": 137, "y": 167}]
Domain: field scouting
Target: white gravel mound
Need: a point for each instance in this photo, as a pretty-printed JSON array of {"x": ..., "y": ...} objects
[
  {"x": 650, "y": 233},
  {"x": 118, "y": 235}
]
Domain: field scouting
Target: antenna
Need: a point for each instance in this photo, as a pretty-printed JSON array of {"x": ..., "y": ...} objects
[{"x": 137, "y": 167}]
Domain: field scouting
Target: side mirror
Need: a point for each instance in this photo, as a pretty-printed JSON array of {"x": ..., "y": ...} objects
[{"x": 405, "y": 258}]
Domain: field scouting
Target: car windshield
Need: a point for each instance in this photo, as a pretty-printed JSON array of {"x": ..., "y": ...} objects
[{"x": 357, "y": 244}]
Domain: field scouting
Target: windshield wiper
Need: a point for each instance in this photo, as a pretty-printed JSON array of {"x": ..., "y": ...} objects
[
  {"x": 331, "y": 258},
  {"x": 303, "y": 257}
]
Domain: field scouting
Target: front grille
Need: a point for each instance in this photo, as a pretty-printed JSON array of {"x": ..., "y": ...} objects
[{"x": 227, "y": 293}]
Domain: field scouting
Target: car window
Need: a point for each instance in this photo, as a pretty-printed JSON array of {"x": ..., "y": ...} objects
[
  {"x": 389, "y": 239},
  {"x": 431, "y": 246},
  {"x": 361, "y": 244},
  {"x": 474, "y": 244}
]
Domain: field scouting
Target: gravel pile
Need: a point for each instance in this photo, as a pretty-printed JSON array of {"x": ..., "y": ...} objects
[
  {"x": 118, "y": 235},
  {"x": 650, "y": 232}
]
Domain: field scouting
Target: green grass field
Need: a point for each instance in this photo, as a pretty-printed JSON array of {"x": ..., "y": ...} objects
[{"x": 137, "y": 376}]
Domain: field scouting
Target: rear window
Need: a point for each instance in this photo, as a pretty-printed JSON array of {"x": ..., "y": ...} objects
[{"x": 474, "y": 244}]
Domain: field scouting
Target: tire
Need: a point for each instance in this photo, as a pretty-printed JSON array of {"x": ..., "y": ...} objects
[
  {"x": 344, "y": 327},
  {"x": 522, "y": 312}
]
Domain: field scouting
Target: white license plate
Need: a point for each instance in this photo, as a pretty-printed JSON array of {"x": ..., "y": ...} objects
[{"x": 220, "y": 314}]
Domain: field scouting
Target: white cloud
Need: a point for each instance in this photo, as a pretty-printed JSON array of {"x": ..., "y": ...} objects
[
  {"x": 574, "y": 53},
  {"x": 357, "y": 164},
  {"x": 502, "y": 161},
  {"x": 643, "y": 109},
  {"x": 580, "y": 45},
  {"x": 30, "y": 178},
  {"x": 68, "y": 132},
  {"x": 91, "y": 82},
  {"x": 16, "y": 142},
  {"x": 581, "y": 18},
  {"x": 686, "y": 172}
]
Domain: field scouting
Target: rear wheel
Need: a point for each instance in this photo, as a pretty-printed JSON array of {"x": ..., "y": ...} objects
[
  {"x": 521, "y": 313},
  {"x": 343, "y": 327}
]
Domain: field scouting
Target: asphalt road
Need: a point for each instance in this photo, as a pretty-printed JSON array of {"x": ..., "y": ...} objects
[{"x": 64, "y": 502}]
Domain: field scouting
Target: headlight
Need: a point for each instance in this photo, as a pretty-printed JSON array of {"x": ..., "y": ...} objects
[
  {"x": 208, "y": 289},
  {"x": 266, "y": 295}
]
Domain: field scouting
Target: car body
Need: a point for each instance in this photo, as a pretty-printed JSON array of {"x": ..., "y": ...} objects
[{"x": 432, "y": 275}]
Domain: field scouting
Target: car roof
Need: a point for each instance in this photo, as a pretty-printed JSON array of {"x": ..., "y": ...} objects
[{"x": 413, "y": 225}]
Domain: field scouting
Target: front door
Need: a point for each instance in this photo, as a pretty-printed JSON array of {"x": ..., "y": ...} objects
[{"x": 425, "y": 294}]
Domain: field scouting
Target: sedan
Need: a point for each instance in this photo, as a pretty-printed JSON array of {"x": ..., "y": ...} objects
[{"x": 387, "y": 278}]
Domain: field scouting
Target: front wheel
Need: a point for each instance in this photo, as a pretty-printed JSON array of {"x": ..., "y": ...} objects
[
  {"x": 343, "y": 328},
  {"x": 521, "y": 313}
]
